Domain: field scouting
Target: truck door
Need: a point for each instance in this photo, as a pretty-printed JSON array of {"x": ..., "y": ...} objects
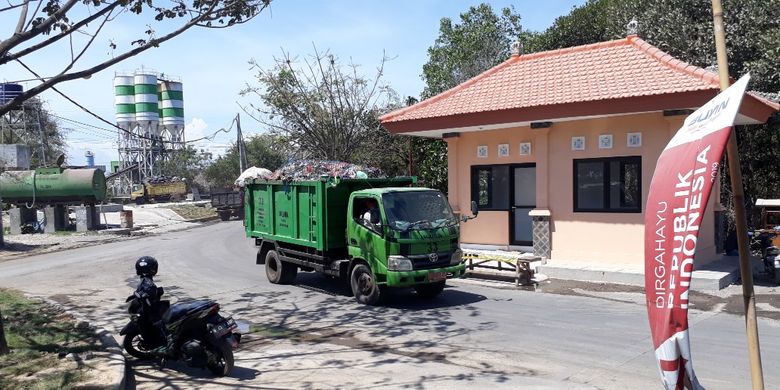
[{"x": 366, "y": 229}]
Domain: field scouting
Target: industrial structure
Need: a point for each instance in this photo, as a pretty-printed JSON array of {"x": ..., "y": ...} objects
[
  {"x": 150, "y": 112},
  {"x": 23, "y": 121}
]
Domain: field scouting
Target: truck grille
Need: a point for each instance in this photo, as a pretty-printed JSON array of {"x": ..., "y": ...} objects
[{"x": 424, "y": 261}]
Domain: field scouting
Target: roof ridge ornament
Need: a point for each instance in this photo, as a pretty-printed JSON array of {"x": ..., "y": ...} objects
[
  {"x": 516, "y": 48},
  {"x": 632, "y": 27}
]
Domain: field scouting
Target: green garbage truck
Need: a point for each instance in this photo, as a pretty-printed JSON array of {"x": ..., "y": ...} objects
[{"x": 373, "y": 233}]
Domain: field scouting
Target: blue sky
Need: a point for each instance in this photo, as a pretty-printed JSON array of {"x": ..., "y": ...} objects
[{"x": 214, "y": 63}]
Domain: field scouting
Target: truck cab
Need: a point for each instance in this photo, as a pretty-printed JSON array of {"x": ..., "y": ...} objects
[{"x": 408, "y": 237}]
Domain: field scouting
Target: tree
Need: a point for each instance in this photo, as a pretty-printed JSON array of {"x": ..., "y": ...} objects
[
  {"x": 263, "y": 151},
  {"x": 38, "y": 30},
  {"x": 326, "y": 110},
  {"x": 187, "y": 163},
  {"x": 37, "y": 128},
  {"x": 462, "y": 50},
  {"x": 3, "y": 344},
  {"x": 684, "y": 29}
]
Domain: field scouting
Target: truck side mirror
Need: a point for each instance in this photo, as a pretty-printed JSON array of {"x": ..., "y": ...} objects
[{"x": 474, "y": 212}]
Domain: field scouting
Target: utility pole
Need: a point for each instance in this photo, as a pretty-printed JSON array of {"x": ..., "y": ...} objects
[
  {"x": 242, "y": 162},
  {"x": 732, "y": 152}
]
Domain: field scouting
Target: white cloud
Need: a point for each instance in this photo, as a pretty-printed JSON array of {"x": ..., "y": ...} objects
[
  {"x": 198, "y": 128},
  {"x": 195, "y": 129}
]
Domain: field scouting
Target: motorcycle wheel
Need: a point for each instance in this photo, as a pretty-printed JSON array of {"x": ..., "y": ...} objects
[
  {"x": 222, "y": 362},
  {"x": 777, "y": 276},
  {"x": 133, "y": 344}
]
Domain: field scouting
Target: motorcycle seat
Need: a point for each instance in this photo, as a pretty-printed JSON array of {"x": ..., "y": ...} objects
[{"x": 179, "y": 310}]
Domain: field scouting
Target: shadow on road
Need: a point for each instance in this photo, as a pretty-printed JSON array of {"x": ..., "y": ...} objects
[
  {"x": 396, "y": 298},
  {"x": 177, "y": 375}
]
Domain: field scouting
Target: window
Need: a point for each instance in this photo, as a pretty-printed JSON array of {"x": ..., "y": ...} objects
[
  {"x": 490, "y": 186},
  {"x": 608, "y": 185}
]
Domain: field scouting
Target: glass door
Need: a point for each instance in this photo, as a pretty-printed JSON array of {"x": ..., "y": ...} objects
[{"x": 523, "y": 201}]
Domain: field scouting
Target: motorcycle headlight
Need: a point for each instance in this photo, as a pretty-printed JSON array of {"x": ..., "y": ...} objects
[
  {"x": 457, "y": 257},
  {"x": 399, "y": 263}
]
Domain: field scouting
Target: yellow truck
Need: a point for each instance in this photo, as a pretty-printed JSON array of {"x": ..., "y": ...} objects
[{"x": 158, "y": 191}]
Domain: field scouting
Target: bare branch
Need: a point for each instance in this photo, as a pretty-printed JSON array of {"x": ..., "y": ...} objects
[
  {"x": 13, "y": 6},
  {"x": 22, "y": 17},
  {"x": 32, "y": 17},
  {"x": 86, "y": 46},
  {"x": 76, "y": 75},
  {"x": 12, "y": 56},
  {"x": 24, "y": 36}
]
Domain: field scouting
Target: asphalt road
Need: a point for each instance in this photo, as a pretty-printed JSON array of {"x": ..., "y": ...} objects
[{"x": 311, "y": 335}]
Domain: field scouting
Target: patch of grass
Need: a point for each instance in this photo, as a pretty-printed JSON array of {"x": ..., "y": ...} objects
[
  {"x": 36, "y": 333},
  {"x": 189, "y": 211},
  {"x": 272, "y": 331}
]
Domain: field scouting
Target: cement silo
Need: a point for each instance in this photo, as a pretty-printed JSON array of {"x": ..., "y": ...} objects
[
  {"x": 150, "y": 110},
  {"x": 124, "y": 101},
  {"x": 172, "y": 111},
  {"x": 146, "y": 105}
]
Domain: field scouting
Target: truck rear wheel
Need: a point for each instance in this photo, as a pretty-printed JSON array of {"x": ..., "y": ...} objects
[
  {"x": 278, "y": 271},
  {"x": 364, "y": 285},
  {"x": 429, "y": 290},
  {"x": 224, "y": 215}
]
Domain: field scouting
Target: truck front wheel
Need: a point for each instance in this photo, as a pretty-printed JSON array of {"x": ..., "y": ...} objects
[
  {"x": 430, "y": 290},
  {"x": 364, "y": 285},
  {"x": 278, "y": 271}
]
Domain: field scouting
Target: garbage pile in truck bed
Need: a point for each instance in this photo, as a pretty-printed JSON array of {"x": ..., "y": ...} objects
[
  {"x": 164, "y": 179},
  {"x": 301, "y": 170}
]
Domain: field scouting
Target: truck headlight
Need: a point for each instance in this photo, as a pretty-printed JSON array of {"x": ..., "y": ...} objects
[
  {"x": 399, "y": 263},
  {"x": 457, "y": 257}
]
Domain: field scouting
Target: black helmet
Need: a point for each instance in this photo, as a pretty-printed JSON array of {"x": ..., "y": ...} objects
[{"x": 146, "y": 266}]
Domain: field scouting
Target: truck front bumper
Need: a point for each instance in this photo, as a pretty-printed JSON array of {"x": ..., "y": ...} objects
[{"x": 411, "y": 278}]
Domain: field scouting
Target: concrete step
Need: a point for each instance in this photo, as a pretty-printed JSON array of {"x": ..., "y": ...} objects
[{"x": 712, "y": 276}]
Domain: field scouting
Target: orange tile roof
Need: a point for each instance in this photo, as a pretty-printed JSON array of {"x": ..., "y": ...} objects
[{"x": 619, "y": 69}]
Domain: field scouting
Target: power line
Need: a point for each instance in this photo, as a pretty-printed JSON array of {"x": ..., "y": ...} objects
[
  {"x": 100, "y": 118},
  {"x": 82, "y": 124}
]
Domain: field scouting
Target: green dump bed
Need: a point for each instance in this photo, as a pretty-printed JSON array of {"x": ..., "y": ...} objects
[{"x": 307, "y": 213}]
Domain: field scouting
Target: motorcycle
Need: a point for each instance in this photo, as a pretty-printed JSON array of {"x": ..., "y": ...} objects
[
  {"x": 198, "y": 334},
  {"x": 761, "y": 245}
]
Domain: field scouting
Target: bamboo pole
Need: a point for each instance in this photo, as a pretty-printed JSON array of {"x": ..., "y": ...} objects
[{"x": 746, "y": 271}]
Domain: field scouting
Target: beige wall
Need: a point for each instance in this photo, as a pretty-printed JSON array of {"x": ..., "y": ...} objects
[{"x": 576, "y": 237}]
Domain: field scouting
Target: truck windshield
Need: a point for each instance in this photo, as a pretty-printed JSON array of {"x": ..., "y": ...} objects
[{"x": 417, "y": 210}]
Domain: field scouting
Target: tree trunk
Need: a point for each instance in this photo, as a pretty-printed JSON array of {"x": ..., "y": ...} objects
[{"x": 3, "y": 344}]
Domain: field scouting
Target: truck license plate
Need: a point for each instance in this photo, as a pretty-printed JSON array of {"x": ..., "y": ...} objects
[{"x": 436, "y": 276}]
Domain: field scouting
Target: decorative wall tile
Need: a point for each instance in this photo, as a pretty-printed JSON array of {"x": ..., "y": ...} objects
[
  {"x": 542, "y": 243},
  {"x": 605, "y": 141},
  {"x": 525, "y": 148},
  {"x": 482, "y": 151},
  {"x": 634, "y": 140},
  {"x": 503, "y": 150},
  {"x": 577, "y": 143}
]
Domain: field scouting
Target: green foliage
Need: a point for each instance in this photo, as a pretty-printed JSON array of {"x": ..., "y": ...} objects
[
  {"x": 262, "y": 151},
  {"x": 38, "y": 129},
  {"x": 684, "y": 29},
  {"x": 326, "y": 109},
  {"x": 480, "y": 40},
  {"x": 188, "y": 163},
  {"x": 463, "y": 50}
]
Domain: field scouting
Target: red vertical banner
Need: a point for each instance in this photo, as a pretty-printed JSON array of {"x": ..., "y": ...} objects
[{"x": 676, "y": 203}]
